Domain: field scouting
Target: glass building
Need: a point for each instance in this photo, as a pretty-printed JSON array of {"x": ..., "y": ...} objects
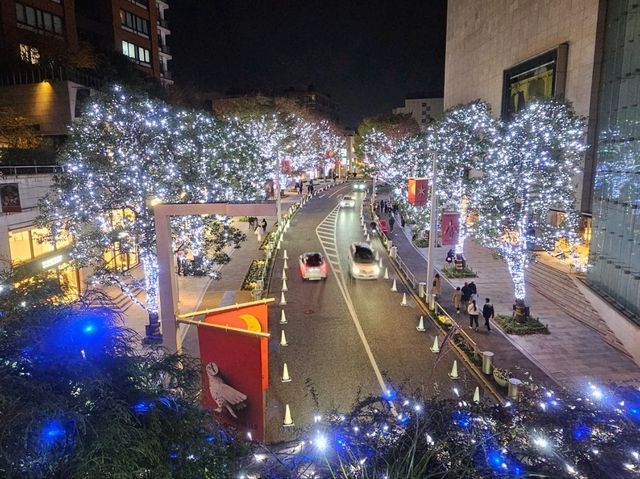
[{"x": 615, "y": 243}]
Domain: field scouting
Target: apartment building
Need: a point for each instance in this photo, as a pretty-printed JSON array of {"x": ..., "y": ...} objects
[{"x": 423, "y": 110}]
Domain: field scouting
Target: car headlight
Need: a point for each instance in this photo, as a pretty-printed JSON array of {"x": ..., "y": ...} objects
[
  {"x": 376, "y": 269},
  {"x": 356, "y": 269}
]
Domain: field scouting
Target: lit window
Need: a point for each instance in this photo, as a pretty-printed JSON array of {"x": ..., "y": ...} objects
[
  {"x": 29, "y": 54},
  {"x": 136, "y": 53},
  {"x": 20, "y": 247}
]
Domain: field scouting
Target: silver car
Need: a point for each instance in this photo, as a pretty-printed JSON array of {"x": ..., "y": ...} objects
[
  {"x": 347, "y": 202},
  {"x": 312, "y": 266},
  {"x": 362, "y": 262}
]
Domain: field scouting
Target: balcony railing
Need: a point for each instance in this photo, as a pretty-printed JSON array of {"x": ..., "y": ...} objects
[
  {"x": 9, "y": 171},
  {"x": 27, "y": 74},
  {"x": 163, "y": 23},
  {"x": 165, "y": 49}
]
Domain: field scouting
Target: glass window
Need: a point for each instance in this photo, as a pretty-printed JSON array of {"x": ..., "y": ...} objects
[
  {"x": 38, "y": 19},
  {"x": 40, "y": 244},
  {"x": 57, "y": 25},
  {"x": 20, "y": 247},
  {"x": 31, "y": 16},
  {"x": 20, "y": 13},
  {"x": 47, "y": 21},
  {"x": 29, "y": 54}
]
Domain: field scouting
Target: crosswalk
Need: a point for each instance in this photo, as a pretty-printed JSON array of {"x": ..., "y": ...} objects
[{"x": 326, "y": 232}]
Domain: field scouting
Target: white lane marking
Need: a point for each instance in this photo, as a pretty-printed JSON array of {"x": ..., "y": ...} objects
[
  {"x": 338, "y": 190},
  {"x": 335, "y": 266}
]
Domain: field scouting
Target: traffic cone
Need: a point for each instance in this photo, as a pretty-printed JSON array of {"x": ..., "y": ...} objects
[
  {"x": 386, "y": 273},
  {"x": 288, "y": 422},
  {"x": 285, "y": 255},
  {"x": 421, "y": 328},
  {"x": 283, "y": 317},
  {"x": 435, "y": 349},
  {"x": 404, "y": 300},
  {"x": 284, "y": 273},
  {"x": 285, "y": 374},
  {"x": 368, "y": 237},
  {"x": 380, "y": 262},
  {"x": 393, "y": 286},
  {"x": 284, "y": 285},
  {"x": 283, "y": 300},
  {"x": 285, "y": 266},
  {"x": 279, "y": 244},
  {"x": 377, "y": 255},
  {"x": 476, "y": 395},
  {"x": 454, "y": 370},
  {"x": 283, "y": 339}
]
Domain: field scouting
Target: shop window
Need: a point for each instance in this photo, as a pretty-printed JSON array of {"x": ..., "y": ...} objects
[
  {"x": 41, "y": 245},
  {"x": 20, "y": 247}
]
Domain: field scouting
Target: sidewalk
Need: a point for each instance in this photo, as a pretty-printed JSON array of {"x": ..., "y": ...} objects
[{"x": 572, "y": 355}]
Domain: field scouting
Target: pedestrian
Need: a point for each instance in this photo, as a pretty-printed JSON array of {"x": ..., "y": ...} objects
[
  {"x": 311, "y": 186},
  {"x": 487, "y": 313},
  {"x": 381, "y": 206},
  {"x": 436, "y": 286},
  {"x": 474, "y": 312},
  {"x": 250, "y": 220},
  {"x": 264, "y": 225},
  {"x": 402, "y": 223},
  {"x": 392, "y": 222},
  {"x": 473, "y": 288},
  {"x": 466, "y": 294},
  {"x": 457, "y": 299}
]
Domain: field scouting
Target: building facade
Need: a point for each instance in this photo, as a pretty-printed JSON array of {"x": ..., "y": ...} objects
[
  {"x": 422, "y": 110},
  {"x": 507, "y": 51},
  {"x": 615, "y": 244}
]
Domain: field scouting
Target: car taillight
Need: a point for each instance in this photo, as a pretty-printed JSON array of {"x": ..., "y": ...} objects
[{"x": 323, "y": 267}]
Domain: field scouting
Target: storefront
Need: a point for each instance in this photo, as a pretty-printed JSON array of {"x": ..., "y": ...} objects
[
  {"x": 122, "y": 255},
  {"x": 32, "y": 254}
]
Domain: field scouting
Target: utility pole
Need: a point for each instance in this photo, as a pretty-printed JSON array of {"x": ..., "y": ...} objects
[
  {"x": 433, "y": 228},
  {"x": 276, "y": 184}
]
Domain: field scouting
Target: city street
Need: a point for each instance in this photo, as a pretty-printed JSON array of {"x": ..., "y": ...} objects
[{"x": 346, "y": 338}]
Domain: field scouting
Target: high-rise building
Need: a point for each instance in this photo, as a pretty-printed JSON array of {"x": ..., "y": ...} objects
[
  {"x": 615, "y": 242},
  {"x": 422, "y": 109}
]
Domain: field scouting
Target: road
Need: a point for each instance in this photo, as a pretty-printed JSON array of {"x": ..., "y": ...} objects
[{"x": 346, "y": 339}]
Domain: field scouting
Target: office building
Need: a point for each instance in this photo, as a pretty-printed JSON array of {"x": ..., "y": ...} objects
[{"x": 423, "y": 110}]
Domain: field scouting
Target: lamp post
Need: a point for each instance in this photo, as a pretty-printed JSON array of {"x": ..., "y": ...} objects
[
  {"x": 276, "y": 184},
  {"x": 432, "y": 227}
]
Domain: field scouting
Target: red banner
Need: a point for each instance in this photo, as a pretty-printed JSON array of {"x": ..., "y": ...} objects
[
  {"x": 450, "y": 228},
  {"x": 418, "y": 189},
  {"x": 235, "y": 368},
  {"x": 285, "y": 167}
]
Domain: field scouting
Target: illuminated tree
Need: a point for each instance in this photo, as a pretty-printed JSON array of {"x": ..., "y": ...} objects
[
  {"x": 465, "y": 135},
  {"x": 126, "y": 154},
  {"x": 528, "y": 174}
]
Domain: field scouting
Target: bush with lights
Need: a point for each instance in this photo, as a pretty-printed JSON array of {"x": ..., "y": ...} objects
[{"x": 76, "y": 399}]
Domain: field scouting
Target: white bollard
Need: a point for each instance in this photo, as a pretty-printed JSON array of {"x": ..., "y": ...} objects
[
  {"x": 283, "y": 339},
  {"x": 288, "y": 421},
  {"x": 420, "y": 327},
  {"x": 393, "y": 286},
  {"x": 404, "y": 300},
  {"x": 284, "y": 273},
  {"x": 283, "y": 317},
  {"x": 284, "y": 256},
  {"x": 454, "y": 370},
  {"x": 285, "y": 266},
  {"x": 285, "y": 374}
]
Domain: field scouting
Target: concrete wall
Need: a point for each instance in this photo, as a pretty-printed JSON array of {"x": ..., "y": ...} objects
[
  {"x": 486, "y": 37},
  {"x": 427, "y": 109}
]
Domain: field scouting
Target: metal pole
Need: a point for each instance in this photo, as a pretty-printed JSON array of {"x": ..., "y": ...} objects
[
  {"x": 432, "y": 227},
  {"x": 276, "y": 184}
]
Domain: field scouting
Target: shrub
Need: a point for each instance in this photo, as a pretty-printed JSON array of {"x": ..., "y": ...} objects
[
  {"x": 465, "y": 272},
  {"x": 531, "y": 326}
]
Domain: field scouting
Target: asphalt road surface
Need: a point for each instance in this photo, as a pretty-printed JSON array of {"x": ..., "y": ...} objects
[{"x": 346, "y": 338}]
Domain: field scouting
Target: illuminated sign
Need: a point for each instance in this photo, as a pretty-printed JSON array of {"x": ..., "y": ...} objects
[{"x": 54, "y": 260}]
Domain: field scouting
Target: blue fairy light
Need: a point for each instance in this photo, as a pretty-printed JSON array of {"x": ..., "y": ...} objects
[
  {"x": 52, "y": 432},
  {"x": 581, "y": 432}
]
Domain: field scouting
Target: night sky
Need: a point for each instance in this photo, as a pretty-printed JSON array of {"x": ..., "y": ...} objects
[{"x": 368, "y": 54}]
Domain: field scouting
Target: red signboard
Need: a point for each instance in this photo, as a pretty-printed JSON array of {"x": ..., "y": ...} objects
[
  {"x": 450, "y": 228},
  {"x": 235, "y": 368},
  {"x": 285, "y": 167},
  {"x": 418, "y": 191}
]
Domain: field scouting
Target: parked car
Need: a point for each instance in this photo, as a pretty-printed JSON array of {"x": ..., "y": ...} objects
[
  {"x": 359, "y": 186},
  {"x": 312, "y": 266},
  {"x": 362, "y": 262},
  {"x": 347, "y": 202}
]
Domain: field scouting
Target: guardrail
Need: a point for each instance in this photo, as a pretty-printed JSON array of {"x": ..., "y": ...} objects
[{"x": 29, "y": 170}]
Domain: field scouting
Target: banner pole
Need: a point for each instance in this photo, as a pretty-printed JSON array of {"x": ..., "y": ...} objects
[{"x": 226, "y": 328}]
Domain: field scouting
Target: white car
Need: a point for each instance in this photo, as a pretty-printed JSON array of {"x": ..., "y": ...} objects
[
  {"x": 359, "y": 186},
  {"x": 362, "y": 262},
  {"x": 347, "y": 202},
  {"x": 312, "y": 266}
]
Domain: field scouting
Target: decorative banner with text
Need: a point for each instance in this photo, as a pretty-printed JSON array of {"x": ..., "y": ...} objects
[
  {"x": 450, "y": 227},
  {"x": 418, "y": 191},
  {"x": 235, "y": 367}
]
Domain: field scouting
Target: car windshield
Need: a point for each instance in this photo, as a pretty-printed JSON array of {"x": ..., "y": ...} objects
[
  {"x": 313, "y": 260},
  {"x": 363, "y": 255},
  {"x": 347, "y": 198}
]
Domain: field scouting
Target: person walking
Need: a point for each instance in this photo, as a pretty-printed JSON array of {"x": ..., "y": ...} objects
[
  {"x": 487, "y": 313},
  {"x": 457, "y": 299},
  {"x": 474, "y": 312},
  {"x": 264, "y": 225},
  {"x": 473, "y": 291},
  {"x": 392, "y": 222},
  {"x": 466, "y": 294},
  {"x": 250, "y": 220},
  {"x": 402, "y": 222},
  {"x": 436, "y": 286}
]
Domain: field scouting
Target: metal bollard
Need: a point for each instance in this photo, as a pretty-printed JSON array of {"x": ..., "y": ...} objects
[
  {"x": 514, "y": 388},
  {"x": 432, "y": 302},
  {"x": 487, "y": 359},
  {"x": 389, "y": 245},
  {"x": 394, "y": 252},
  {"x": 422, "y": 289}
]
